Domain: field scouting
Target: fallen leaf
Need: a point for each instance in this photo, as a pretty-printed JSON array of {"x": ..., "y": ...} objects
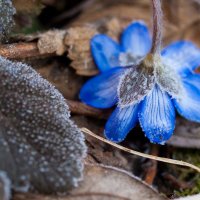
[
  {"x": 62, "y": 77},
  {"x": 105, "y": 183},
  {"x": 115, "y": 182},
  {"x": 77, "y": 41},
  {"x": 52, "y": 41},
  {"x": 186, "y": 134},
  {"x": 40, "y": 147}
]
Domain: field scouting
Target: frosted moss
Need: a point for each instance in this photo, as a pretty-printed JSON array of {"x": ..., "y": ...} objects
[{"x": 40, "y": 147}]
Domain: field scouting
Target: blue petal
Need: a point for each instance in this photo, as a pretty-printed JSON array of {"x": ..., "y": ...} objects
[
  {"x": 105, "y": 52},
  {"x": 157, "y": 116},
  {"x": 101, "y": 91},
  {"x": 193, "y": 79},
  {"x": 136, "y": 39},
  {"x": 183, "y": 56},
  {"x": 189, "y": 105},
  {"x": 121, "y": 121}
]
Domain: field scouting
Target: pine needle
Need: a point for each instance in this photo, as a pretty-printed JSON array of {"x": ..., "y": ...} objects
[{"x": 161, "y": 159}]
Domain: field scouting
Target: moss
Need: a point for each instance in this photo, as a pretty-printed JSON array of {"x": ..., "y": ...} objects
[{"x": 188, "y": 175}]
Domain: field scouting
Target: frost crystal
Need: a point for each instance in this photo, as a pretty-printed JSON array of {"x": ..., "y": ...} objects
[
  {"x": 167, "y": 78},
  {"x": 6, "y": 17},
  {"x": 169, "y": 81},
  {"x": 135, "y": 84},
  {"x": 40, "y": 147}
]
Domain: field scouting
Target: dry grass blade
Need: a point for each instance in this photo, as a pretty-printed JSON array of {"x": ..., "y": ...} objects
[{"x": 161, "y": 159}]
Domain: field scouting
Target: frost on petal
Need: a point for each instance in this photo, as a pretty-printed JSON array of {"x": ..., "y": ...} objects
[
  {"x": 157, "y": 116},
  {"x": 120, "y": 122},
  {"x": 136, "y": 39},
  {"x": 6, "y": 17},
  {"x": 40, "y": 147},
  {"x": 169, "y": 81},
  {"x": 182, "y": 56},
  {"x": 134, "y": 85},
  {"x": 128, "y": 59},
  {"x": 188, "y": 105}
]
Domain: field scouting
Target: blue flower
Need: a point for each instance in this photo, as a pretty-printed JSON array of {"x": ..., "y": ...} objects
[{"x": 145, "y": 88}]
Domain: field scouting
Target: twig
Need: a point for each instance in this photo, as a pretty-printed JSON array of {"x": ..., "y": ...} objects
[
  {"x": 77, "y": 107},
  {"x": 161, "y": 159},
  {"x": 176, "y": 183},
  {"x": 152, "y": 169},
  {"x": 21, "y": 50}
]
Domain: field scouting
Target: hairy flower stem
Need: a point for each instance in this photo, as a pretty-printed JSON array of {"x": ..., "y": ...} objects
[{"x": 157, "y": 27}]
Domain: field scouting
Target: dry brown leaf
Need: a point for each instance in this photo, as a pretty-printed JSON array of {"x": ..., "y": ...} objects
[
  {"x": 99, "y": 152},
  {"x": 77, "y": 41},
  {"x": 104, "y": 183},
  {"x": 115, "y": 182},
  {"x": 111, "y": 17},
  {"x": 28, "y": 7},
  {"x": 187, "y": 134},
  {"x": 63, "y": 78},
  {"x": 51, "y": 42}
]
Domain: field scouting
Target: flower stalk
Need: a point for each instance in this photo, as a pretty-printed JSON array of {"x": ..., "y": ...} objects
[{"x": 157, "y": 26}]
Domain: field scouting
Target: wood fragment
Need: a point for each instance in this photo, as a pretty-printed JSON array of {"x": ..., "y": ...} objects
[
  {"x": 52, "y": 42},
  {"x": 152, "y": 169},
  {"x": 22, "y": 50},
  {"x": 83, "y": 109}
]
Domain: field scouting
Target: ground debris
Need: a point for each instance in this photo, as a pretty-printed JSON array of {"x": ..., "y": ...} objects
[
  {"x": 77, "y": 40},
  {"x": 107, "y": 183},
  {"x": 187, "y": 134},
  {"x": 52, "y": 42}
]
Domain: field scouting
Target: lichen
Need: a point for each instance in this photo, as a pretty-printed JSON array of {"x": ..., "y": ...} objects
[{"x": 40, "y": 147}]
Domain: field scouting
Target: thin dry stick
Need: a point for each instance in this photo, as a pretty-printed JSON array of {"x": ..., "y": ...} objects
[
  {"x": 157, "y": 27},
  {"x": 151, "y": 171},
  {"x": 161, "y": 159},
  {"x": 21, "y": 50},
  {"x": 77, "y": 107}
]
